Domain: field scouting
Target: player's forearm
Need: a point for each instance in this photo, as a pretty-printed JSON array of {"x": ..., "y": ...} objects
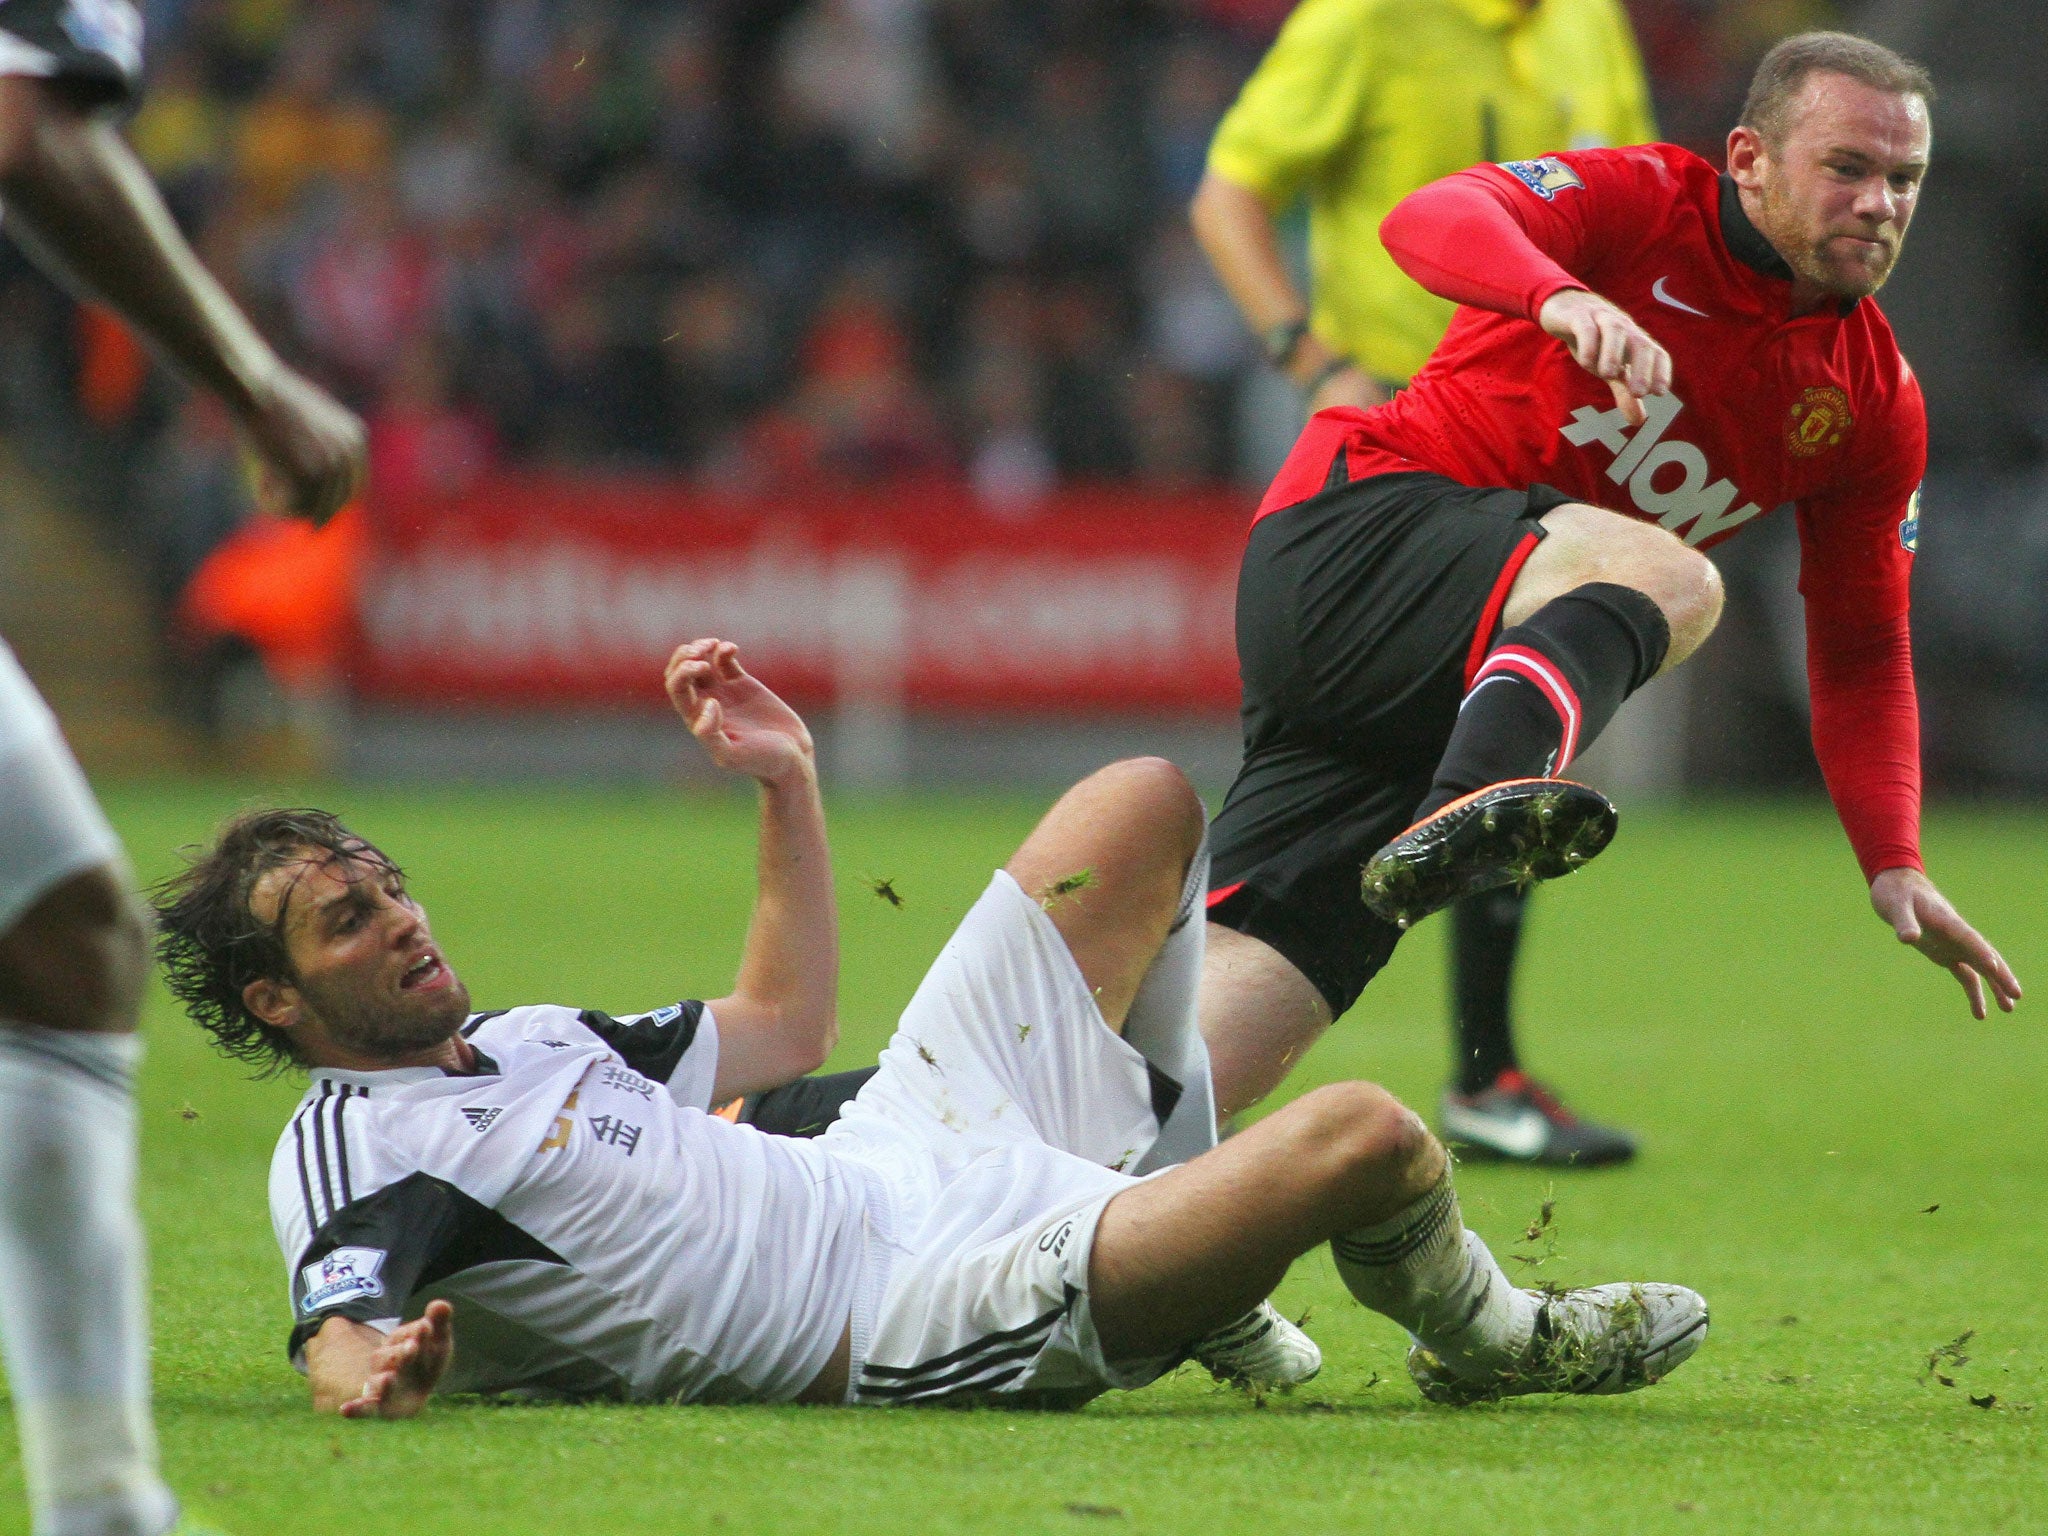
[
  {"x": 789, "y": 971},
  {"x": 1235, "y": 229},
  {"x": 1866, "y": 737},
  {"x": 1462, "y": 242},
  {"x": 88, "y": 211}
]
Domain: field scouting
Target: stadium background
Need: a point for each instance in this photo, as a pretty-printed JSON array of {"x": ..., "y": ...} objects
[{"x": 893, "y": 304}]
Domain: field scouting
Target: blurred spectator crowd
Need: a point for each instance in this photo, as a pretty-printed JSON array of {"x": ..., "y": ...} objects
[
  {"x": 754, "y": 241},
  {"x": 761, "y": 243}
]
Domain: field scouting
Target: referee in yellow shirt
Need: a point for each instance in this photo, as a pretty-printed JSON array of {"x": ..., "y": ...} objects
[{"x": 1358, "y": 103}]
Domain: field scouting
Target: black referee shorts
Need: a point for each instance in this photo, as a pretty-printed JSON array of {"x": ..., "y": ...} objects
[
  {"x": 1361, "y": 614},
  {"x": 92, "y": 48}
]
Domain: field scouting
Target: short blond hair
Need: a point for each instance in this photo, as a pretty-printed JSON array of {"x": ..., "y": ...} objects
[{"x": 1778, "y": 78}]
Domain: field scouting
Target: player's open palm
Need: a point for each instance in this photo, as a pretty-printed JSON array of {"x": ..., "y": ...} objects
[
  {"x": 1924, "y": 918},
  {"x": 740, "y": 721},
  {"x": 405, "y": 1369}
]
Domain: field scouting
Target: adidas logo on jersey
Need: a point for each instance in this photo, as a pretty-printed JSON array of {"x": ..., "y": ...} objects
[
  {"x": 480, "y": 1118},
  {"x": 1694, "y": 508}
]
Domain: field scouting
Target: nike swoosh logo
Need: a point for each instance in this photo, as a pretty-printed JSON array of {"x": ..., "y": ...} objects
[
  {"x": 1524, "y": 1136},
  {"x": 1657, "y": 292}
]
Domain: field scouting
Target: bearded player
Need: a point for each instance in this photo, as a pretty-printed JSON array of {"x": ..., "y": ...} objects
[
  {"x": 1445, "y": 598},
  {"x": 972, "y": 1227}
]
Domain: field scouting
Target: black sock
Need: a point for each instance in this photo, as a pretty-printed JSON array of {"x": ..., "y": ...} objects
[
  {"x": 1486, "y": 930},
  {"x": 1549, "y": 686}
]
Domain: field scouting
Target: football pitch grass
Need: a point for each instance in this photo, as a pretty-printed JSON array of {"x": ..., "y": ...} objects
[{"x": 1852, "y": 1170}]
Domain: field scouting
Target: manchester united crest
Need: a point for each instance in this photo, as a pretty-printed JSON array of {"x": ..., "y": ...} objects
[{"x": 1817, "y": 420}]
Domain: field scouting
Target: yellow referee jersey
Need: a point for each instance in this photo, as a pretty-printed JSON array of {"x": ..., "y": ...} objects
[{"x": 1362, "y": 101}]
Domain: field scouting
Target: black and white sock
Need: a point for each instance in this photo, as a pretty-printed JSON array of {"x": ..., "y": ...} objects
[
  {"x": 1486, "y": 931},
  {"x": 1548, "y": 688},
  {"x": 73, "y": 1307},
  {"x": 1422, "y": 1268}
]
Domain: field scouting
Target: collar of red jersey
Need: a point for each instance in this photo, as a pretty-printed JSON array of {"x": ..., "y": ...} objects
[{"x": 1746, "y": 243}]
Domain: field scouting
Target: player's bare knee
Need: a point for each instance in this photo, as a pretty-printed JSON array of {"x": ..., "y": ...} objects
[
  {"x": 1690, "y": 592},
  {"x": 1157, "y": 793},
  {"x": 1360, "y": 1133}
]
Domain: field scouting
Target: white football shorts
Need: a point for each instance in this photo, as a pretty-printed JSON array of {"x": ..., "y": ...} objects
[
  {"x": 1001, "y": 1117},
  {"x": 50, "y": 826}
]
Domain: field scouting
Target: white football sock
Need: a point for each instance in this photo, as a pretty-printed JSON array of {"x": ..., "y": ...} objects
[
  {"x": 1423, "y": 1269},
  {"x": 73, "y": 1308},
  {"x": 1165, "y": 1027}
]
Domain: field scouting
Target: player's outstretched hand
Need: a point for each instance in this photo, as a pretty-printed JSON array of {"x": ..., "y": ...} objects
[
  {"x": 1605, "y": 342},
  {"x": 408, "y": 1366},
  {"x": 314, "y": 449},
  {"x": 1922, "y": 917},
  {"x": 742, "y": 724}
]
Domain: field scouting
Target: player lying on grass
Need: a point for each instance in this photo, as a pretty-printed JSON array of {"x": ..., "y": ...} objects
[{"x": 962, "y": 1230}]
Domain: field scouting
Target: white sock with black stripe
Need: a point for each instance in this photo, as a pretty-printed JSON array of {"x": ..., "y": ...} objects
[
  {"x": 1165, "y": 1026},
  {"x": 1426, "y": 1271},
  {"x": 73, "y": 1306}
]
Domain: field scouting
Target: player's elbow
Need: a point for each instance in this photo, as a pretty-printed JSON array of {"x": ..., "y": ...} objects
[
  {"x": 21, "y": 99},
  {"x": 1405, "y": 225},
  {"x": 29, "y": 110},
  {"x": 814, "y": 1043},
  {"x": 804, "y": 1037}
]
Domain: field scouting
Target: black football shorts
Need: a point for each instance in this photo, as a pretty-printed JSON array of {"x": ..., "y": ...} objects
[
  {"x": 93, "y": 48},
  {"x": 1361, "y": 614}
]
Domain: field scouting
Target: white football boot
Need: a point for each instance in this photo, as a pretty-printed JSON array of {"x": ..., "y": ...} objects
[
  {"x": 1261, "y": 1350},
  {"x": 1594, "y": 1341}
]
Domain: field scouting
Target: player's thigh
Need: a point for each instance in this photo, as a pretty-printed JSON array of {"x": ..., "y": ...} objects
[
  {"x": 1003, "y": 1043},
  {"x": 1584, "y": 544},
  {"x": 1286, "y": 850},
  {"x": 78, "y": 957},
  {"x": 72, "y": 943},
  {"x": 1358, "y": 610},
  {"x": 1107, "y": 864}
]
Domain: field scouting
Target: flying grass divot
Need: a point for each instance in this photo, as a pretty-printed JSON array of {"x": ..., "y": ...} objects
[{"x": 1059, "y": 890}]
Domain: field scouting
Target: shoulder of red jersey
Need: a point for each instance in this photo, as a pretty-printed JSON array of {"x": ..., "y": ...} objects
[
  {"x": 1881, "y": 381},
  {"x": 1889, "y": 439},
  {"x": 1652, "y": 170}
]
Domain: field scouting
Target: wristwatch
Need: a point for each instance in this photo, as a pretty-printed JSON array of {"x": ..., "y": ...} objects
[{"x": 1283, "y": 340}]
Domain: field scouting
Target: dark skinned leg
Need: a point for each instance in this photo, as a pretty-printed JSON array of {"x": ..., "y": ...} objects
[{"x": 77, "y": 958}]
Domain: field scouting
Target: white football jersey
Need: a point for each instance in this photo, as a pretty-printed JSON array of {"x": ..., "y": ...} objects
[{"x": 599, "y": 1232}]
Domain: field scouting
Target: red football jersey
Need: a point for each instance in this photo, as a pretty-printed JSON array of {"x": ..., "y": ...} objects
[{"x": 1818, "y": 410}]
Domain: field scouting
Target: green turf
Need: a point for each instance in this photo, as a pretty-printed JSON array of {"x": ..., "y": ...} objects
[{"x": 1805, "y": 1089}]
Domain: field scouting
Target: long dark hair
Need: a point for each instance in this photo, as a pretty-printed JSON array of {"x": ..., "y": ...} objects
[{"x": 210, "y": 943}]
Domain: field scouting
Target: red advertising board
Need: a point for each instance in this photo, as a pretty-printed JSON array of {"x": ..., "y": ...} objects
[{"x": 531, "y": 590}]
